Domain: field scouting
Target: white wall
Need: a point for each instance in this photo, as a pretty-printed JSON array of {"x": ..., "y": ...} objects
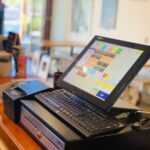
[
  {"x": 132, "y": 23},
  {"x": 59, "y": 20}
]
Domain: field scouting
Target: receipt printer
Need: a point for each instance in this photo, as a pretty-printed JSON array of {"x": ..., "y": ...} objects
[{"x": 17, "y": 91}]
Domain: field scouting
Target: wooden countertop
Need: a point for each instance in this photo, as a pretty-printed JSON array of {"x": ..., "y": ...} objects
[
  {"x": 16, "y": 135},
  {"x": 147, "y": 63},
  {"x": 47, "y": 43},
  {"x": 12, "y": 134}
]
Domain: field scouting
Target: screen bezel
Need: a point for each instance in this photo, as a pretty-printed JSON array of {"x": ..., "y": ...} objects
[{"x": 105, "y": 105}]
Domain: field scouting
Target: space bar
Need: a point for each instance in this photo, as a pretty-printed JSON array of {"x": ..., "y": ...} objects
[{"x": 52, "y": 102}]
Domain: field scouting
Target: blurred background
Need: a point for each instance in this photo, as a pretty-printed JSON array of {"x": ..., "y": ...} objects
[{"x": 51, "y": 33}]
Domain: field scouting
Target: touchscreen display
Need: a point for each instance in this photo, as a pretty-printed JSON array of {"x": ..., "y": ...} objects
[{"x": 101, "y": 68}]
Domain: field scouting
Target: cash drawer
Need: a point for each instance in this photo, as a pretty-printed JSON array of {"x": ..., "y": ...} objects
[{"x": 40, "y": 132}]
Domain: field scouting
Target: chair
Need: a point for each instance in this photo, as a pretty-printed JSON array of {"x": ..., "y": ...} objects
[
  {"x": 5, "y": 63},
  {"x": 9, "y": 45}
]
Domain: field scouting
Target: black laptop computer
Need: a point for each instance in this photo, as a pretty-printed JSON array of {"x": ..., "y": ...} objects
[{"x": 92, "y": 84}]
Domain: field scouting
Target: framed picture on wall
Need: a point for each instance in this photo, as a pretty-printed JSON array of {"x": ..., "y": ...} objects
[
  {"x": 108, "y": 14},
  {"x": 44, "y": 67},
  {"x": 80, "y": 16}
]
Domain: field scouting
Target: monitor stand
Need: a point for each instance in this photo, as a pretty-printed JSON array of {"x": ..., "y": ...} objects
[{"x": 123, "y": 107}]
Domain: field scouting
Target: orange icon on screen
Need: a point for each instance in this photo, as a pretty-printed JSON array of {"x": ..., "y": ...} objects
[
  {"x": 106, "y": 59},
  {"x": 106, "y": 76}
]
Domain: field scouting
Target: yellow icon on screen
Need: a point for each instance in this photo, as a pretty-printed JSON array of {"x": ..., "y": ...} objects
[
  {"x": 105, "y": 85},
  {"x": 139, "y": 51},
  {"x": 107, "y": 76}
]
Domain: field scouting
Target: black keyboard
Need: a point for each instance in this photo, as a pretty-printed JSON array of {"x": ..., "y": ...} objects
[{"x": 81, "y": 115}]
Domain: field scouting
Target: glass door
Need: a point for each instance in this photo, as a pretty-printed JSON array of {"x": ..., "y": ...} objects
[{"x": 37, "y": 20}]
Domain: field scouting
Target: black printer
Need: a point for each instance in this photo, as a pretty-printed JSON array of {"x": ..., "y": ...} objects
[{"x": 17, "y": 91}]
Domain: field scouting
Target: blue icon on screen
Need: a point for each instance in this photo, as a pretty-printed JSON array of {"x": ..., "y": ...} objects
[{"x": 102, "y": 95}]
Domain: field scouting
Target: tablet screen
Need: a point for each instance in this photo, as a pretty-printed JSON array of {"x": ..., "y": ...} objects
[{"x": 101, "y": 68}]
